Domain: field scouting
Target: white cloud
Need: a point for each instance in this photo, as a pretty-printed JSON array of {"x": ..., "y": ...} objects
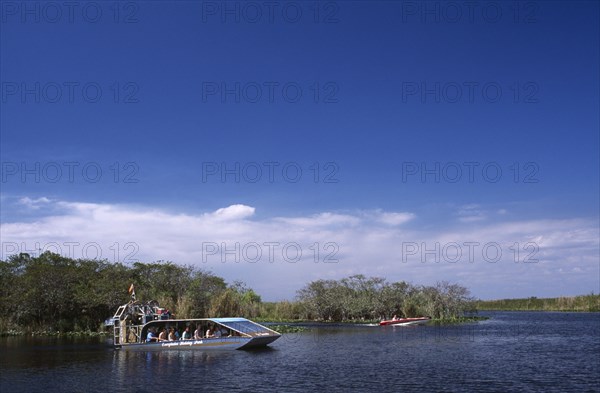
[
  {"x": 321, "y": 220},
  {"x": 296, "y": 250},
  {"x": 34, "y": 204},
  {"x": 233, "y": 212},
  {"x": 395, "y": 218}
]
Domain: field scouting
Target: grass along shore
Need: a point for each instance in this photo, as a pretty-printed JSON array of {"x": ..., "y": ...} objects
[
  {"x": 434, "y": 321},
  {"x": 583, "y": 303}
]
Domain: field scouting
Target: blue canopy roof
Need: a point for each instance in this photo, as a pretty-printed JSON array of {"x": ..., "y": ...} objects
[
  {"x": 244, "y": 325},
  {"x": 223, "y": 320}
]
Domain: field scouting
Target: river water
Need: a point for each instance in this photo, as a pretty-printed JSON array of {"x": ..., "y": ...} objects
[{"x": 511, "y": 351}]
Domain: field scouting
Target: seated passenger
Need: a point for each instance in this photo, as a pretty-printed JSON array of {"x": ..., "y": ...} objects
[
  {"x": 198, "y": 333},
  {"x": 209, "y": 333},
  {"x": 172, "y": 334},
  {"x": 217, "y": 332},
  {"x": 151, "y": 336},
  {"x": 163, "y": 335},
  {"x": 187, "y": 335}
]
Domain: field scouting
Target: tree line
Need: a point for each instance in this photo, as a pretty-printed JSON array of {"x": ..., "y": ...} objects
[
  {"x": 52, "y": 292},
  {"x": 373, "y": 298},
  {"x": 55, "y": 293}
]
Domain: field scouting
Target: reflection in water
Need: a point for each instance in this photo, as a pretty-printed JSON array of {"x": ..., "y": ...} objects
[
  {"x": 47, "y": 352},
  {"x": 147, "y": 365}
]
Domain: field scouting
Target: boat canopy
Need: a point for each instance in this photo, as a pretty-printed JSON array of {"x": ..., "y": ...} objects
[{"x": 244, "y": 325}]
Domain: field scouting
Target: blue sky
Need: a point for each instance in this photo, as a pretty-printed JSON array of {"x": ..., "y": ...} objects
[{"x": 369, "y": 100}]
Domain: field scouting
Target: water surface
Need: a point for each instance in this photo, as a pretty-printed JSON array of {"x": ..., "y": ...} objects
[{"x": 512, "y": 351}]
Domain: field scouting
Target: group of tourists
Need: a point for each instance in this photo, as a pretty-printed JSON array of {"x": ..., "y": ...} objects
[{"x": 172, "y": 334}]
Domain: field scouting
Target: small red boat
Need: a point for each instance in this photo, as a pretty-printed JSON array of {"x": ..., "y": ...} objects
[{"x": 405, "y": 321}]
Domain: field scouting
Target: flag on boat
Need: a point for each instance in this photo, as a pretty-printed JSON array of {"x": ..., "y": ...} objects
[{"x": 132, "y": 292}]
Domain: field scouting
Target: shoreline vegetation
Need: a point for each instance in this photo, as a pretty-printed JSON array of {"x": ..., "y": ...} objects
[
  {"x": 582, "y": 303},
  {"x": 52, "y": 295}
]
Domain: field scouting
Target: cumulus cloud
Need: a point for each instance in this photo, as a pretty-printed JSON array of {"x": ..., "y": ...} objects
[
  {"x": 34, "y": 204},
  {"x": 395, "y": 218},
  {"x": 233, "y": 212},
  {"x": 278, "y": 255}
]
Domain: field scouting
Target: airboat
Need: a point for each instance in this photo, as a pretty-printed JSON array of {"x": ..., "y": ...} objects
[
  {"x": 405, "y": 321},
  {"x": 148, "y": 327}
]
